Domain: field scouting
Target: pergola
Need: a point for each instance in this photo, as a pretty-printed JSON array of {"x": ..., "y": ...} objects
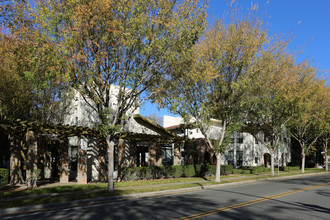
[{"x": 23, "y": 129}]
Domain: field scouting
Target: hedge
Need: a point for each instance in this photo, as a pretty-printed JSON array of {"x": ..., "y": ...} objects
[
  {"x": 237, "y": 171},
  {"x": 147, "y": 173},
  {"x": 257, "y": 170},
  {"x": 246, "y": 172},
  {"x": 251, "y": 170},
  {"x": 4, "y": 176}
]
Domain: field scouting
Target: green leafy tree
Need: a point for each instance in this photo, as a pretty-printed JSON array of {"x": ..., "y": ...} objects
[
  {"x": 116, "y": 51},
  {"x": 271, "y": 98},
  {"x": 212, "y": 82},
  {"x": 33, "y": 60},
  {"x": 324, "y": 121},
  {"x": 27, "y": 90},
  {"x": 15, "y": 94},
  {"x": 324, "y": 124},
  {"x": 31, "y": 87},
  {"x": 308, "y": 111}
]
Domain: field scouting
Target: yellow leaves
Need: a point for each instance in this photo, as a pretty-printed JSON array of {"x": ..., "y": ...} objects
[{"x": 254, "y": 6}]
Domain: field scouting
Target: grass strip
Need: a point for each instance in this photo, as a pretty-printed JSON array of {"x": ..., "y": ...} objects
[
  {"x": 94, "y": 186},
  {"x": 122, "y": 188},
  {"x": 98, "y": 194}
]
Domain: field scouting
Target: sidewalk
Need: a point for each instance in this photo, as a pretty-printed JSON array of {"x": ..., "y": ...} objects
[{"x": 84, "y": 202}]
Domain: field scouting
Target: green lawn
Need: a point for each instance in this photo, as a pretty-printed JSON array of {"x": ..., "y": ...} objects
[{"x": 85, "y": 191}]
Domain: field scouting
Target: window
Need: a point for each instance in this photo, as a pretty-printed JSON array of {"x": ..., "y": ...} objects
[
  {"x": 239, "y": 158},
  {"x": 167, "y": 158},
  {"x": 266, "y": 138},
  {"x": 230, "y": 157},
  {"x": 74, "y": 158},
  {"x": 239, "y": 137},
  {"x": 232, "y": 138}
]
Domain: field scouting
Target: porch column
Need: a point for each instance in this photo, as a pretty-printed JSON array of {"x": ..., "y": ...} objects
[
  {"x": 14, "y": 161},
  {"x": 31, "y": 162},
  {"x": 152, "y": 155},
  {"x": 41, "y": 156},
  {"x": 177, "y": 154},
  {"x": 121, "y": 157},
  {"x": 159, "y": 152},
  {"x": 82, "y": 164},
  {"x": 102, "y": 168},
  {"x": 64, "y": 160},
  {"x": 133, "y": 155}
]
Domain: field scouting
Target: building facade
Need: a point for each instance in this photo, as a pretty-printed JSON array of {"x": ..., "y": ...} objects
[{"x": 243, "y": 150}]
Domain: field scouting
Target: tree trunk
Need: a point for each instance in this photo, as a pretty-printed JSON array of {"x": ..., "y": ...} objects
[
  {"x": 217, "y": 153},
  {"x": 217, "y": 171},
  {"x": 110, "y": 153},
  {"x": 326, "y": 155},
  {"x": 326, "y": 162},
  {"x": 121, "y": 158},
  {"x": 272, "y": 173},
  {"x": 303, "y": 163}
]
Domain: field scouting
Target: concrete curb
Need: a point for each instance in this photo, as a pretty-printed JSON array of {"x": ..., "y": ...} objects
[{"x": 85, "y": 202}]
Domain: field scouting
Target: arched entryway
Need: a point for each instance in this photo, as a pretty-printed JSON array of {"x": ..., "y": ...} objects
[{"x": 267, "y": 160}]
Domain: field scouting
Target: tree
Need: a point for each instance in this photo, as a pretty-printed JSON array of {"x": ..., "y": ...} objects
[
  {"x": 271, "y": 97},
  {"x": 117, "y": 50},
  {"x": 15, "y": 94},
  {"x": 31, "y": 87},
  {"x": 307, "y": 111},
  {"x": 155, "y": 118},
  {"x": 324, "y": 121},
  {"x": 324, "y": 125},
  {"x": 322, "y": 118},
  {"x": 214, "y": 80},
  {"x": 31, "y": 58},
  {"x": 324, "y": 139}
]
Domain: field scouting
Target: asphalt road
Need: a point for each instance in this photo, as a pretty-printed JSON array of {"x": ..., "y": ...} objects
[{"x": 299, "y": 198}]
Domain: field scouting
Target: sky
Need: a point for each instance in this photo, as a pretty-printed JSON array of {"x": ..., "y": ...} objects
[{"x": 308, "y": 21}]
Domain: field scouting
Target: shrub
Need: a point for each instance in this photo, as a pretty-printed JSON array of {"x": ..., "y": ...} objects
[
  {"x": 256, "y": 170},
  {"x": 127, "y": 174},
  {"x": 200, "y": 170},
  {"x": 259, "y": 169},
  {"x": 189, "y": 171},
  {"x": 211, "y": 170},
  {"x": 171, "y": 172},
  {"x": 147, "y": 173},
  {"x": 237, "y": 171},
  {"x": 228, "y": 169},
  {"x": 246, "y": 172},
  {"x": 4, "y": 176},
  {"x": 205, "y": 170}
]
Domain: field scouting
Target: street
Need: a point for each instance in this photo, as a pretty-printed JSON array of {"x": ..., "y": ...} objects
[{"x": 294, "y": 198}]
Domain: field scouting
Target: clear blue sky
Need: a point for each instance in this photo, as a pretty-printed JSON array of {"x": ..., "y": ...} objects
[{"x": 307, "y": 20}]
